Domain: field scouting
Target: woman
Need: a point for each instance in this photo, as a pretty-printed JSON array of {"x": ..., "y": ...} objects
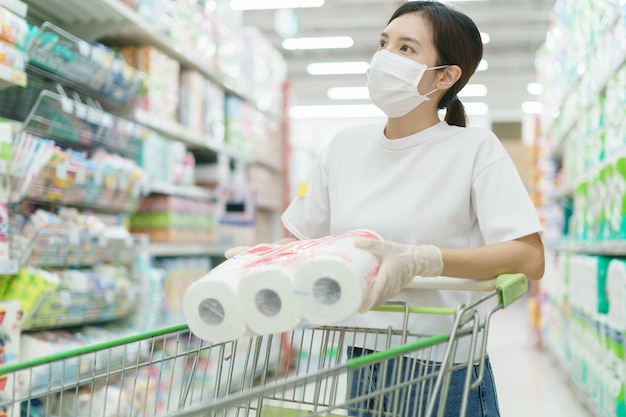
[{"x": 447, "y": 199}]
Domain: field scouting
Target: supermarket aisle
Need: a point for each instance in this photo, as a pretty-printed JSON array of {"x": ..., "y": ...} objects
[{"x": 528, "y": 380}]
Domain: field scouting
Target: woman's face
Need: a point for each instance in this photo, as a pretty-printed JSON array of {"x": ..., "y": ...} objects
[{"x": 410, "y": 36}]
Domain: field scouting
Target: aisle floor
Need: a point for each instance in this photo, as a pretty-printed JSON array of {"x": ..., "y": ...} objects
[{"x": 529, "y": 381}]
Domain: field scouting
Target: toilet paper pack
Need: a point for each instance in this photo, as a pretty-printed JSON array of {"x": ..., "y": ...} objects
[{"x": 275, "y": 288}]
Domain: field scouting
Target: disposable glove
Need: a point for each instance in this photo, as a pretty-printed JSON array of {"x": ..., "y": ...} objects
[
  {"x": 399, "y": 264},
  {"x": 235, "y": 251}
]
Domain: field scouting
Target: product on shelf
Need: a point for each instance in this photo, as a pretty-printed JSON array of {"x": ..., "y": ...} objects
[
  {"x": 103, "y": 181},
  {"x": 10, "y": 317},
  {"x": 69, "y": 238},
  {"x": 13, "y": 28},
  {"x": 583, "y": 315},
  {"x": 11, "y": 56},
  {"x": 176, "y": 219},
  {"x": 28, "y": 285},
  {"x": 268, "y": 185},
  {"x": 179, "y": 274},
  {"x": 160, "y": 91},
  {"x": 166, "y": 160},
  {"x": 236, "y": 210}
]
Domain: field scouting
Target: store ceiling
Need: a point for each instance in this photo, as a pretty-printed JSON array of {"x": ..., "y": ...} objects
[{"x": 516, "y": 28}]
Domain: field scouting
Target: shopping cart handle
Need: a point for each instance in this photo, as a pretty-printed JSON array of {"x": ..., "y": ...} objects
[{"x": 511, "y": 286}]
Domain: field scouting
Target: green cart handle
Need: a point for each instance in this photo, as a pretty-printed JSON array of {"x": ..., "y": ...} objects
[{"x": 511, "y": 288}]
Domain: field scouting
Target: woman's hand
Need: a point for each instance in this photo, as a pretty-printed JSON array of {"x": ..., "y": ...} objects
[{"x": 399, "y": 264}]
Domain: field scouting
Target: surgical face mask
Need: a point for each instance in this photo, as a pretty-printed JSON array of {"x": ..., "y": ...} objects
[{"x": 392, "y": 82}]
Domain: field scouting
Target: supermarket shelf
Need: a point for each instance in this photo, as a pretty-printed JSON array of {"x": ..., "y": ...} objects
[
  {"x": 612, "y": 248},
  {"x": 186, "y": 249},
  {"x": 111, "y": 19},
  {"x": 10, "y": 267},
  {"x": 93, "y": 68},
  {"x": 193, "y": 140},
  {"x": 11, "y": 78},
  {"x": 67, "y": 308},
  {"x": 189, "y": 191}
]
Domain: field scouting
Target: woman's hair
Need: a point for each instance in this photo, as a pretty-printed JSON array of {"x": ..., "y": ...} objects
[{"x": 457, "y": 41}]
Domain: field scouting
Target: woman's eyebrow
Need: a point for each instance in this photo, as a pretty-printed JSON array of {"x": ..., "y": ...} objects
[{"x": 404, "y": 39}]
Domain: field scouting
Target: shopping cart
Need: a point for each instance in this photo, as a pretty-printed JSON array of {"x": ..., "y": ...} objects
[{"x": 306, "y": 372}]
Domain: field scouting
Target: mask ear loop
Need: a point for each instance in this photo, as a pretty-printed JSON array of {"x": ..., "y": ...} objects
[{"x": 436, "y": 89}]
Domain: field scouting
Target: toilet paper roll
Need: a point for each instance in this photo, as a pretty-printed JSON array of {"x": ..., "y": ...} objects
[
  {"x": 212, "y": 310},
  {"x": 211, "y": 305},
  {"x": 266, "y": 298},
  {"x": 334, "y": 282}
]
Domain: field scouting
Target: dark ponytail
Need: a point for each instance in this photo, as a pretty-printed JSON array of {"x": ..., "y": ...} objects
[
  {"x": 455, "y": 113},
  {"x": 458, "y": 42}
]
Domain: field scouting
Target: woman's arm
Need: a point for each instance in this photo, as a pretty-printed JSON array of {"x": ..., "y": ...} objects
[{"x": 524, "y": 255}]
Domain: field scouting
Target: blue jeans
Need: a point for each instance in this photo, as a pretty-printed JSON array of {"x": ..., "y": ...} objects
[{"x": 411, "y": 401}]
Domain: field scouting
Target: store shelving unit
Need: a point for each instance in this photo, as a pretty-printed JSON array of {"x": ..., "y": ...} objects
[{"x": 583, "y": 65}]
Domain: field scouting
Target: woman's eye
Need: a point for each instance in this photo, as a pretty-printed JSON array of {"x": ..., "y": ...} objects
[
  {"x": 406, "y": 48},
  {"x": 381, "y": 43}
]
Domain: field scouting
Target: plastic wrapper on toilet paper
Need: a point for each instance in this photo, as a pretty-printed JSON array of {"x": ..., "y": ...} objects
[{"x": 275, "y": 288}]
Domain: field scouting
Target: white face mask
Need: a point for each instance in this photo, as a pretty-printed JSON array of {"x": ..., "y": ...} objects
[{"x": 392, "y": 82}]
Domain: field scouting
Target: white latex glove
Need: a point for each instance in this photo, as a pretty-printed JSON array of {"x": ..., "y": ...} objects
[
  {"x": 399, "y": 264},
  {"x": 235, "y": 251}
]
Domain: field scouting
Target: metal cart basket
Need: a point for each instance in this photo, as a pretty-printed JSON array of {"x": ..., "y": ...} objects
[{"x": 306, "y": 372}]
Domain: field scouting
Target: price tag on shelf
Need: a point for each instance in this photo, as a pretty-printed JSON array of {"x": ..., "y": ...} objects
[
  {"x": 117, "y": 65},
  {"x": 84, "y": 49},
  {"x": 103, "y": 242},
  {"x": 73, "y": 238},
  {"x": 94, "y": 115},
  {"x": 81, "y": 111},
  {"x": 67, "y": 105},
  {"x": 8, "y": 267},
  {"x": 61, "y": 171},
  {"x": 109, "y": 297},
  {"x": 18, "y": 77},
  {"x": 97, "y": 177},
  {"x": 107, "y": 120},
  {"x": 66, "y": 298},
  {"x": 81, "y": 176}
]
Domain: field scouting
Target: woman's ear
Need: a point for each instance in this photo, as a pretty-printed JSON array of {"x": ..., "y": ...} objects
[{"x": 448, "y": 76}]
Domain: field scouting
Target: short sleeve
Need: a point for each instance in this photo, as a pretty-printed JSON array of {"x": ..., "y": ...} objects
[
  {"x": 308, "y": 214},
  {"x": 501, "y": 203}
]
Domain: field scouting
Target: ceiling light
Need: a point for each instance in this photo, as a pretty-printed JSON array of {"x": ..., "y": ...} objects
[
  {"x": 334, "y": 111},
  {"x": 473, "y": 90},
  {"x": 328, "y": 42},
  {"x": 476, "y": 108},
  {"x": 532, "y": 107},
  {"x": 327, "y": 68},
  {"x": 534, "y": 88},
  {"x": 485, "y": 37},
  {"x": 273, "y": 4},
  {"x": 483, "y": 65},
  {"x": 348, "y": 93}
]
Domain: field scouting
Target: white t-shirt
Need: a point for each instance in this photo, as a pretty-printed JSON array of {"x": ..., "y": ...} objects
[{"x": 447, "y": 186}]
